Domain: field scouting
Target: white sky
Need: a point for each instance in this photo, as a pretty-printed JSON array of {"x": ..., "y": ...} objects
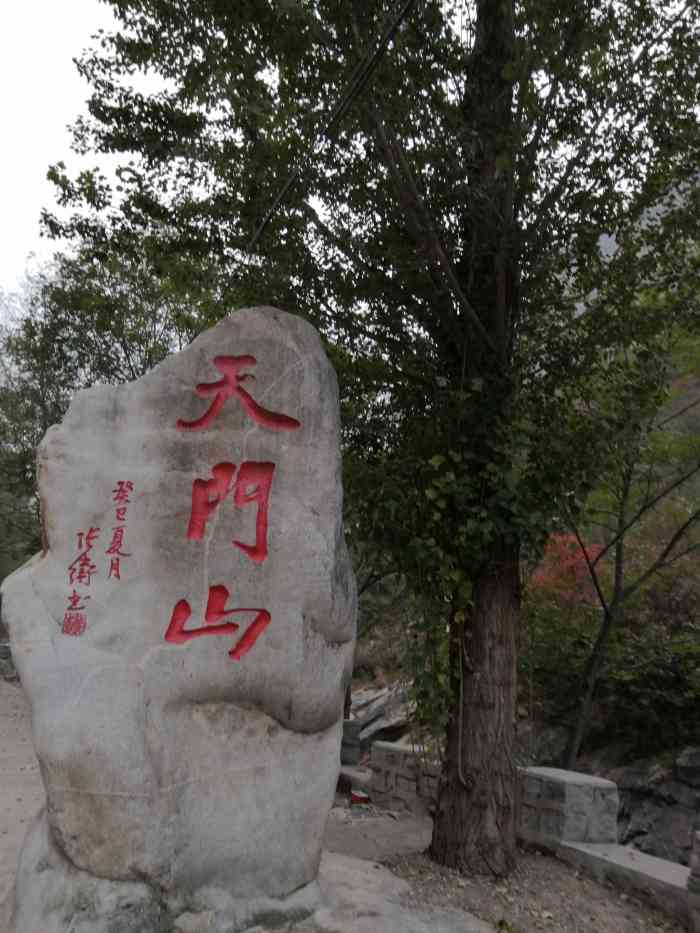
[{"x": 40, "y": 93}]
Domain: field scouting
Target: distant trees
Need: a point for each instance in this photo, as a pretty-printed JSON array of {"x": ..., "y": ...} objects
[
  {"x": 34, "y": 393},
  {"x": 74, "y": 323},
  {"x": 648, "y": 472},
  {"x": 636, "y": 523}
]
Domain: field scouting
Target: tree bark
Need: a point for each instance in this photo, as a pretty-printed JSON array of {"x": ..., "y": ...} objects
[{"x": 474, "y": 827}]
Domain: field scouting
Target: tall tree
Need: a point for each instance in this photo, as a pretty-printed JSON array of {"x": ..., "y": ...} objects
[{"x": 444, "y": 236}]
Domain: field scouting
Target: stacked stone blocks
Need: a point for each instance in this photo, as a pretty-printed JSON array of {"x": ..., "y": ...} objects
[
  {"x": 565, "y": 806},
  {"x": 572, "y": 814},
  {"x": 555, "y": 805},
  {"x": 402, "y": 779}
]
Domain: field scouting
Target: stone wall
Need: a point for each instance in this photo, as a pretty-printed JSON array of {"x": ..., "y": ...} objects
[
  {"x": 566, "y": 806},
  {"x": 694, "y": 885},
  {"x": 402, "y": 779},
  {"x": 573, "y": 815},
  {"x": 555, "y": 806}
]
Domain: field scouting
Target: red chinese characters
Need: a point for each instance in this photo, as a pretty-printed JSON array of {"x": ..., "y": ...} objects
[
  {"x": 80, "y": 572},
  {"x": 249, "y": 484},
  {"x": 75, "y": 619},
  {"x": 216, "y": 610},
  {"x": 120, "y": 500},
  {"x": 231, "y": 385},
  {"x": 83, "y": 568}
]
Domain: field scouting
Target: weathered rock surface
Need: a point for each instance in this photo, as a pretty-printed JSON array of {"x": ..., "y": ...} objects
[
  {"x": 660, "y": 807},
  {"x": 694, "y": 885},
  {"x": 194, "y": 774},
  {"x": 375, "y": 715},
  {"x": 687, "y": 767}
]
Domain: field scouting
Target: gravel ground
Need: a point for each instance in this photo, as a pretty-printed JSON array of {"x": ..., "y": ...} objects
[{"x": 543, "y": 894}]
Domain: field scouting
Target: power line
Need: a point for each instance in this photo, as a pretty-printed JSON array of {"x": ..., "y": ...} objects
[{"x": 358, "y": 80}]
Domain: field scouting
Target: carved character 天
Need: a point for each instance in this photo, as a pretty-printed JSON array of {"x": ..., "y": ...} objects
[{"x": 231, "y": 385}]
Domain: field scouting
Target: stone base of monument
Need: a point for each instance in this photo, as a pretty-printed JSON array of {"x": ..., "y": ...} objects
[
  {"x": 360, "y": 896},
  {"x": 51, "y": 892},
  {"x": 352, "y": 896}
]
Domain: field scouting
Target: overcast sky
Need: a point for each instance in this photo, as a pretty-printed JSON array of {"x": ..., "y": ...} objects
[{"x": 41, "y": 92}]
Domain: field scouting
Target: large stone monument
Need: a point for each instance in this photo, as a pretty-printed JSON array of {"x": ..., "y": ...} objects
[{"x": 185, "y": 639}]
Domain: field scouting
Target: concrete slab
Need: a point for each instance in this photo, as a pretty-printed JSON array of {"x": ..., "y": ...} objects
[
  {"x": 658, "y": 882},
  {"x": 577, "y": 778}
]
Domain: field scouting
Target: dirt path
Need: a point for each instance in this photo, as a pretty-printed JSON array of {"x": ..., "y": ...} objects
[{"x": 22, "y": 790}]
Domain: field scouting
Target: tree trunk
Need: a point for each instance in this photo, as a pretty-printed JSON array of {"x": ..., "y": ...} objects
[
  {"x": 590, "y": 679},
  {"x": 474, "y": 827}
]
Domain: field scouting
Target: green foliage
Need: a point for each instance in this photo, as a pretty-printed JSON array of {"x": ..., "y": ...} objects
[
  {"x": 428, "y": 663},
  {"x": 650, "y": 691},
  {"x": 555, "y": 643},
  {"x": 648, "y": 683},
  {"x": 34, "y": 392},
  {"x": 412, "y": 176}
]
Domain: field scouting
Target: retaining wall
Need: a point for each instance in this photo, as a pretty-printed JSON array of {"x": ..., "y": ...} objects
[
  {"x": 554, "y": 805},
  {"x": 571, "y": 815}
]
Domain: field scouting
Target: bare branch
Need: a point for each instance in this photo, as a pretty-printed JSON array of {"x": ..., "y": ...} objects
[
  {"x": 578, "y": 158},
  {"x": 372, "y": 580},
  {"x": 591, "y": 569},
  {"x": 677, "y": 414},
  {"x": 424, "y": 231},
  {"x": 661, "y": 559},
  {"x": 672, "y": 560},
  {"x": 645, "y": 508}
]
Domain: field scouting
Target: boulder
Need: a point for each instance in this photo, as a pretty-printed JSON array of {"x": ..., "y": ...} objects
[
  {"x": 658, "y": 808},
  {"x": 186, "y": 638},
  {"x": 694, "y": 886},
  {"x": 382, "y": 715},
  {"x": 687, "y": 767}
]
